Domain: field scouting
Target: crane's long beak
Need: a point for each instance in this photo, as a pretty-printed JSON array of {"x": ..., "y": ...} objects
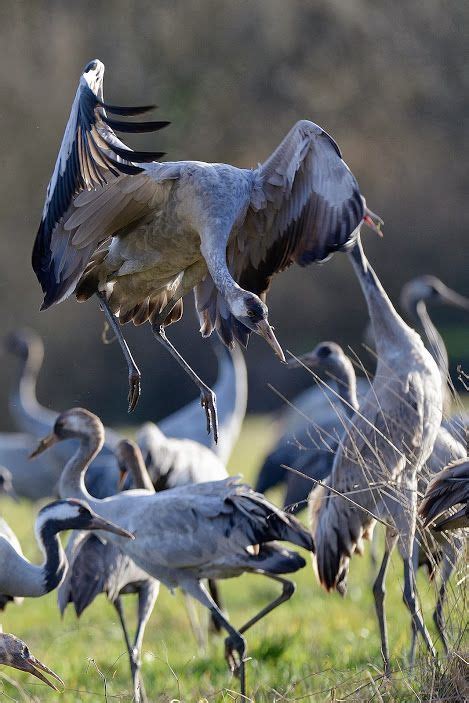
[
  {"x": 44, "y": 444},
  {"x": 99, "y": 523},
  {"x": 35, "y": 667},
  {"x": 450, "y": 297},
  {"x": 265, "y": 330}
]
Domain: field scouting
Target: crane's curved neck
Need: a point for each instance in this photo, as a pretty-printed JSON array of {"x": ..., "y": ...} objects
[
  {"x": 24, "y": 392},
  {"x": 389, "y": 329},
  {"x": 55, "y": 565},
  {"x": 140, "y": 474},
  {"x": 23, "y": 579},
  {"x": 346, "y": 381},
  {"x": 231, "y": 390},
  {"x": 436, "y": 347},
  {"x": 72, "y": 480}
]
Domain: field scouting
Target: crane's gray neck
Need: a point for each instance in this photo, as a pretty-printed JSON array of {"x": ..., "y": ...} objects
[
  {"x": 389, "y": 329},
  {"x": 436, "y": 347},
  {"x": 24, "y": 392},
  {"x": 140, "y": 474},
  {"x": 346, "y": 381},
  {"x": 72, "y": 480}
]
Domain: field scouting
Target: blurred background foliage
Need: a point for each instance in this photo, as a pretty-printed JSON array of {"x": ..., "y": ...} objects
[{"x": 390, "y": 81}]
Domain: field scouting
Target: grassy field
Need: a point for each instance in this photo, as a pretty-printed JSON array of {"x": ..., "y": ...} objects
[{"x": 318, "y": 647}]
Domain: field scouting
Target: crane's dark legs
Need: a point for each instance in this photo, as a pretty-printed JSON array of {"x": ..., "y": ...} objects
[
  {"x": 379, "y": 592},
  {"x": 207, "y": 396},
  {"x": 238, "y": 643},
  {"x": 215, "y": 593},
  {"x": 134, "y": 373},
  {"x": 410, "y": 601},
  {"x": 134, "y": 670}
]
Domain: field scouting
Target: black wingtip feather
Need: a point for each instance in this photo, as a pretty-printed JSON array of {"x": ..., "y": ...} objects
[
  {"x": 135, "y": 127},
  {"x": 126, "y": 111}
]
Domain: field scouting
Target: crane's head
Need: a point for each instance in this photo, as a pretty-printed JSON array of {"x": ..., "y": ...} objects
[
  {"x": 76, "y": 423},
  {"x": 73, "y": 514},
  {"x": 15, "y": 653},
  {"x": 430, "y": 289},
  {"x": 326, "y": 355},
  {"x": 249, "y": 309},
  {"x": 25, "y": 344}
]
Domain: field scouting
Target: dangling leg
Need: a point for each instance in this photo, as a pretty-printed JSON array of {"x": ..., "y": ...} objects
[
  {"x": 207, "y": 396},
  {"x": 379, "y": 591},
  {"x": 146, "y": 602},
  {"x": 134, "y": 373},
  {"x": 237, "y": 642},
  {"x": 215, "y": 593}
]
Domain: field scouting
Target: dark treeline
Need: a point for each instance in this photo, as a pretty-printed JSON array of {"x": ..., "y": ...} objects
[{"x": 388, "y": 80}]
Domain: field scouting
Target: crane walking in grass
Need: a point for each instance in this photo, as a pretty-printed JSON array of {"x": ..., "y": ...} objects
[
  {"x": 377, "y": 463},
  {"x": 141, "y": 235},
  {"x": 219, "y": 529}
]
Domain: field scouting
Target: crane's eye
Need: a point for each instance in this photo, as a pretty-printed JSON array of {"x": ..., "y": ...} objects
[{"x": 251, "y": 313}]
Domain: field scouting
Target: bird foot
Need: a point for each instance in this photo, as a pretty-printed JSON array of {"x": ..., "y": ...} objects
[
  {"x": 208, "y": 401},
  {"x": 235, "y": 649},
  {"x": 134, "y": 389}
]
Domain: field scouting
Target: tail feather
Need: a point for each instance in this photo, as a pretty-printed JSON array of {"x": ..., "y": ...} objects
[
  {"x": 275, "y": 559},
  {"x": 268, "y": 523}
]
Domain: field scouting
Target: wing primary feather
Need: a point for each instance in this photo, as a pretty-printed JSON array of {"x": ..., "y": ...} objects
[
  {"x": 134, "y": 156},
  {"x": 128, "y": 111},
  {"x": 130, "y": 127}
]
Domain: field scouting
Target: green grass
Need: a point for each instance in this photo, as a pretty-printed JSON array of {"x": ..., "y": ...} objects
[{"x": 318, "y": 647}]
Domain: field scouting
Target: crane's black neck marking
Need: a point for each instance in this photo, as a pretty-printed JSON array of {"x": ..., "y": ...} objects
[{"x": 55, "y": 564}]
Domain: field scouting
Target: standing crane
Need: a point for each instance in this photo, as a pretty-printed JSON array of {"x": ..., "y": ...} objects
[
  {"x": 15, "y": 653},
  {"x": 141, "y": 235},
  {"x": 97, "y": 567},
  {"x": 374, "y": 475},
  {"x": 218, "y": 529}
]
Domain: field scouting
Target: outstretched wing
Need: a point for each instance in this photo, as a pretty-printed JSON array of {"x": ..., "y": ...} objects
[
  {"x": 306, "y": 206},
  {"x": 91, "y": 158}
]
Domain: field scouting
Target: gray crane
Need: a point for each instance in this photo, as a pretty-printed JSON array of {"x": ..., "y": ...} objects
[
  {"x": 97, "y": 567},
  {"x": 311, "y": 451},
  {"x": 20, "y": 578},
  {"x": 140, "y": 237},
  {"x": 218, "y": 529},
  {"x": 15, "y": 653},
  {"x": 374, "y": 475},
  {"x": 15, "y": 448},
  {"x": 447, "y": 489}
]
